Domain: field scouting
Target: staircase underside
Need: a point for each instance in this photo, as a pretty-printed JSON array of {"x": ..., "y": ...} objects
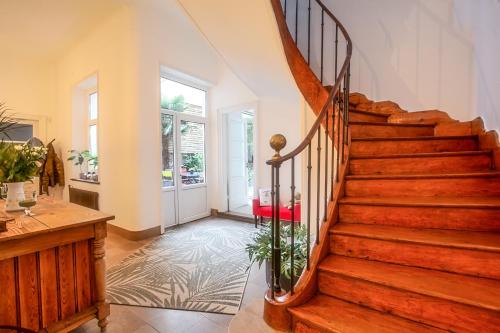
[{"x": 416, "y": 246}]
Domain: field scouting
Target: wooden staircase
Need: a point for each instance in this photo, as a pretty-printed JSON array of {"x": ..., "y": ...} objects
[{"x": 416, "y": 246}]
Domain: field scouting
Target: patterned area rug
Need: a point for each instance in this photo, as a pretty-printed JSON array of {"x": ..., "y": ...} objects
[{"x": 199, "y": 266}]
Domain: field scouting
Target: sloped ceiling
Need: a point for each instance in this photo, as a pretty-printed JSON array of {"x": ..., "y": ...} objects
[{"x": 43, "y": 29}]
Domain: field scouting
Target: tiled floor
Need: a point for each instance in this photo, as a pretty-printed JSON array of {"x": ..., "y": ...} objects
[{"x": 130, "y": 319}]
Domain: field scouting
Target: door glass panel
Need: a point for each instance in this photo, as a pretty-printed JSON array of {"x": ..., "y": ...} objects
[
  {"x": 167, "y": 150},
  {"x": 192, "y": 167},
  {"x": 179, "y": 97}
]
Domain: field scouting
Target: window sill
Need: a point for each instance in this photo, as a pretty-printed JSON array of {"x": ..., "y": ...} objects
[{"x": 88, "y": 181}]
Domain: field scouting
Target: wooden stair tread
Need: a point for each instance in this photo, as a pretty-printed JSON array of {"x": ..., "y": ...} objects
[
  {"x": 334, "y": 315},
  {"x": 423, "y": 155},
  {"x": 369, "y": 123},
  {"x": 474, "y": 291},
  {"x": 471, "y": 240},
  {"x": 420, "y": 138},
  {"x": 489, "y": 174},
  {"x": 449, "y": 202},
  {"x": 369, "y": 113}
]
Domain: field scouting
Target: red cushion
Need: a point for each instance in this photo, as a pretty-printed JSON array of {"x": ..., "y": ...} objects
[{"x": 266, "y": 211}]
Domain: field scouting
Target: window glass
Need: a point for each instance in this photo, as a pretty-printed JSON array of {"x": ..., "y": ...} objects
[
  {"x": 179, "y": 97},
  {"x": 167, "y": 142},
  {"x": 93, "y": 139},
  {"x": 192, "y": 168},
  {"x": 93, "y": 106},
  {"x": 17, "y": 132}
]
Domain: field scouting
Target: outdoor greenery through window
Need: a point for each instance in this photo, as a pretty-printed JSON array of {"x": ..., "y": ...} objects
[
  {"x": 192, "y": 168},
  {"x": 179, "y": 97},
  {"x": 167, "y": 142}
]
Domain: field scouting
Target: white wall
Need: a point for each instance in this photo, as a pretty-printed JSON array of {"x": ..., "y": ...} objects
[
  {"x": 247, "y": 37},
  {"x": 411, "y": 52},
  {"x": 109, "y": 53},
  {"x": 27, "y": 86},
  {"x": 126, "y": 53},
  {"x": 481, "y": 20},
  {"x": 426, "y": 54}
]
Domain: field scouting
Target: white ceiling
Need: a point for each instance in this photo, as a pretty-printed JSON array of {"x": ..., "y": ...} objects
[{"x": 43, "y": 29}]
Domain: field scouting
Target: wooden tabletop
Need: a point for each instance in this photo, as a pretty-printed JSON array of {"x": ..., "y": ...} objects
[{"x": 50, "y": 215}]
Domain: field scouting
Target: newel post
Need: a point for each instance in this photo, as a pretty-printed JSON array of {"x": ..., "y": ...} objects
[{"x": 277, "y": 143}]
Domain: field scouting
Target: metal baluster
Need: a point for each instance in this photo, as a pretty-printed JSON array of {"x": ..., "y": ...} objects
[
  {"x": 318, "y": 180},
  {"x": 348, "y": 93},
  {"x": 344, "y": 123},
  {"x": 325, "y": 199},
  {"x": 338, "y": 136},
  {"x": 333, "y": 149},
  {"x": 296, "y": 21},
  {"x": 309, "y": 169},
  {"x": 322, "y": 41},
  {"x": 336, "y": 50},
  {"x": 292, "y": 250},
  {"x": 285, "y": 10},
  {"x": 272, "y": 232},
  {"x": 277, "y": 142},
  {"x": 309, "y": 34},
  {"x": 277, "y": 241}
]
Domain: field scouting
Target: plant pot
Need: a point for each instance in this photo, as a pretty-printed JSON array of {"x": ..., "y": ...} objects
[
  {"x": 284, "y": 281},
  {"x": 15, "y": 194}
]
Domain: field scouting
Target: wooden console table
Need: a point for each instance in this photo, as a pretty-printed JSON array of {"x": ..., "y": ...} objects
[{"x": 52, "y": 270}]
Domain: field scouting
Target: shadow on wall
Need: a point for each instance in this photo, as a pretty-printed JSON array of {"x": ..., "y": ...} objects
[
  {"x": 411, "y": 52},
  {"x": 481, "y": 20}
]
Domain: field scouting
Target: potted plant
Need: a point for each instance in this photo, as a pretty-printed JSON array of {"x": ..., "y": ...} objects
[
  {"x": 18, "y": 164},
  {"x": 260, "y": 249},
  {"x": 80, "y": 157}
]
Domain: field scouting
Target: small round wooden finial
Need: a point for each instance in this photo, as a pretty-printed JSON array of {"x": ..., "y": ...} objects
[{"x": 277, "y": 142}]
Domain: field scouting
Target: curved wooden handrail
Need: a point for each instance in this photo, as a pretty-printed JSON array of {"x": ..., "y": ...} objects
[
  {"x": 334, "y": 92},
  {"x": 323, "y": 104}
]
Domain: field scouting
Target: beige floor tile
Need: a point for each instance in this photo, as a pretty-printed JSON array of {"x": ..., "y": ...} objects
[{"x": 206, "y": 326}]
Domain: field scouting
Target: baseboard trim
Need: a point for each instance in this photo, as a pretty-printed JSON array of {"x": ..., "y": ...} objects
[
  {"x": 231, "y": 216},
  {"x": 134, "y": 235}
]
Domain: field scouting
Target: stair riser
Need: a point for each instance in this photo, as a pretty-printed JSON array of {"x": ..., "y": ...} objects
[
  {"x": 434, "y": 311},
  {"x": 423, "y": 165},
  {"x": 373, "y": 148},
  {"x": 300, "y": 327},
  {"x": 373, "y": 131},
  {"x": 463, "y": 261},
  {"x": 423, "y": 217},
  {"x": 354, "y": 116},
  {"x": 424, "y": 187}
]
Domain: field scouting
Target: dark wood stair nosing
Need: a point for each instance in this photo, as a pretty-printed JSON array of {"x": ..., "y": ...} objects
[
  {"x": 407, "y": 240},
  {"x": 418, "y": 138},
  {"x": 389, "y": 203},
  {"x": 369, "y": 123},
  {"x": 492, "y": 174},
  {"x": 422, "y": 155},
  {"x": 368, "y": 113}
]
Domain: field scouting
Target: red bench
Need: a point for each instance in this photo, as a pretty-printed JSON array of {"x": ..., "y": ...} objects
[{"x": 262, "y": 212}]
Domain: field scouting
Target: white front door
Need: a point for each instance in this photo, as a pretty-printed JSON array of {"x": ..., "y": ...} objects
[
  {"x": 183, "y": 141},
  {"x": 192, "y": 182},
  {"x": 236, "y": 161}
]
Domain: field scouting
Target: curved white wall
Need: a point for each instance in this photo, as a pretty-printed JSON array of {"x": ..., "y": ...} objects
[{"x": 427, "y": 54}]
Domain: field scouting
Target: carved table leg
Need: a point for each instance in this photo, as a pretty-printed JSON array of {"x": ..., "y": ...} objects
[{"x": 100, "y": 276}]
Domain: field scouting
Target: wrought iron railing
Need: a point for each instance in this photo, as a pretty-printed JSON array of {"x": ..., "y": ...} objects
[{"x": 332, "y": 120}]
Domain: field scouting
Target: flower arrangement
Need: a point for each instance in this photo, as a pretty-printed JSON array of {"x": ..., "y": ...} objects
[{"x": 20, "y": 162}]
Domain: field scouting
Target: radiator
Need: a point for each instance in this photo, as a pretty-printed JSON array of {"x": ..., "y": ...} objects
[{"x": 84, "y": 198}]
